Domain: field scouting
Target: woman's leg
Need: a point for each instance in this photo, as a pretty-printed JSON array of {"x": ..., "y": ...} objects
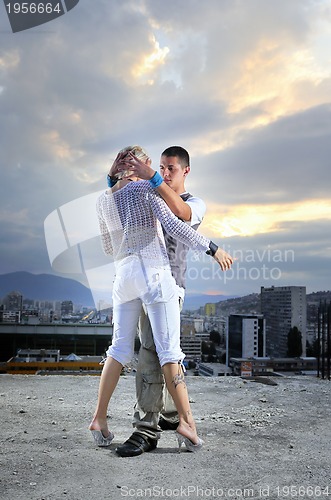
[
  {"x": 108, "y": 381},
  {"x": 165, "y": 322},
  {"x": 174, "y": 376},
  {"x": 120, "y": 352}
]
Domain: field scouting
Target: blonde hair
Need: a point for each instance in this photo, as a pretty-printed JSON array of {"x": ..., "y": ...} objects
[{"x": 138, "y": 152}]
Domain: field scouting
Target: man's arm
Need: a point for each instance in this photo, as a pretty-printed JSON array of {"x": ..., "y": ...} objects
[
  {"x": 187, "y": 234},
  {"x": 178, "y": 206},
  {"x": 172, "y": 199}
]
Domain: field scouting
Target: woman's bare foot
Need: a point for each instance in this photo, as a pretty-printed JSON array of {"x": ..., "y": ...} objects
[
  {"x": 188, "y": 431},
  {"x": 98, "y": 424}
]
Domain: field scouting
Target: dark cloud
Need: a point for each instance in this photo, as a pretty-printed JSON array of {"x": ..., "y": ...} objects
[
  {"x": 287, "y": 161},
  {"x": 71, "y": 97}
]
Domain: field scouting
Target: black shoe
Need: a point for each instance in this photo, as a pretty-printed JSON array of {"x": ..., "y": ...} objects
[
  {"x": 166, "y": 425},
  {"x": 136, "y": 445}
]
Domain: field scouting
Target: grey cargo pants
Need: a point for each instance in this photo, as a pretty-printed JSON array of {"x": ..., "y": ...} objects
[{"x": 152, "y": 395}]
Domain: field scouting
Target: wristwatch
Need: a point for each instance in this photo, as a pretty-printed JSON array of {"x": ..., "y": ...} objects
[{"x": 212, "y": 249}]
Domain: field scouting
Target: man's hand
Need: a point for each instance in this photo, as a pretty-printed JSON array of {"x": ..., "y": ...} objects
[
  {"x": 145, "y": 172},
  {"x": 139, "y": 168},
  {"x": 118, "y": 165},
  {"x": 223, "y": 259}
]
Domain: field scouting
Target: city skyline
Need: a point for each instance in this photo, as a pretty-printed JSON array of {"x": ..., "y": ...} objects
[{"x": 244, "y": 86}]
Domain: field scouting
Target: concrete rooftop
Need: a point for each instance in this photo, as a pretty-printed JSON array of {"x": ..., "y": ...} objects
[{"x": 260, "y": 440}]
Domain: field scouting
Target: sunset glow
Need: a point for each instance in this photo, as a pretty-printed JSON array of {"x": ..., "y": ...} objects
[{"x": 249, "y": 220}]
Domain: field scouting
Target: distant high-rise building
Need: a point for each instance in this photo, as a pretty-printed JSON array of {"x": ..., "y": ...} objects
[
  {"x": 13, "y": 301},
  {"x": 283, "y": 307},
  {"x": 67, "y": 307},
  {"x": 246, "y": 336},
  {"x": 210, "y": 309},
  {"x": 191, "y": 345}
]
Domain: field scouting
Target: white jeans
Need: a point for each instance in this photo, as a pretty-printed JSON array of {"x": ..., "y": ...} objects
[{"x": 136, "y": 284}]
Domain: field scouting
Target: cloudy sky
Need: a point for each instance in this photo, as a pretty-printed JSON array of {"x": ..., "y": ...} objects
[{"x": 244, "y": 85}]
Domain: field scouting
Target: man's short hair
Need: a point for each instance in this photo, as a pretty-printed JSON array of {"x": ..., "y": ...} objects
[{"x": 180, "y": 153}]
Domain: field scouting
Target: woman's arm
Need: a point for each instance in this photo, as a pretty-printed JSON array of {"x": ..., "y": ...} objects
[{"x": 104, "y": 233}]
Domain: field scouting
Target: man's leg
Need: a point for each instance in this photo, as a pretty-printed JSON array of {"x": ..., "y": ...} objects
[
  {"x": 153, "y": 410},
  {"x": 165, "y": 321},
  {"x": 149, "y": 393},
  {"x": 151, "y": 413},
  {"x": 152, "y": 397},
  {"x": 149, "y": 383}
]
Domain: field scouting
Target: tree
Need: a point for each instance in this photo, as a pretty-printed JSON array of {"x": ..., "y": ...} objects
[
  {"x": 313, "y": 349},
  {"x": 294, "y": 343},
  {"x": 208, "y": 348},
  {"x": 215, "y": 337},
  {"x": 223, "y": 358}
]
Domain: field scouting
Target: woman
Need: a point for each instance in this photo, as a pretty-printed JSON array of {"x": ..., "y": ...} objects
[{"x": 130, "y": 216}]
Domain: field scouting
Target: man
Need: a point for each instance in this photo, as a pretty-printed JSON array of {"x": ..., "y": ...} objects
[{"x": 152, "y": 397}]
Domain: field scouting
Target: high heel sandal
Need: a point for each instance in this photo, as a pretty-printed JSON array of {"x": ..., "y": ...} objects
[
  {"x": 100, "y": 439},
  {"x": 188, "y": 443}
]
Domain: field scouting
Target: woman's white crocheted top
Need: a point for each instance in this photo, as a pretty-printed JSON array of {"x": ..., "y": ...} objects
[{"x": 130, "y": 224}]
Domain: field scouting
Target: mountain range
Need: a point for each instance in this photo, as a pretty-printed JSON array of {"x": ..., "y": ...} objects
[
  {"x": 45, "y": 287},
  {"x": 193, "y": 302},
  {"x": 51, "y": 287}
]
